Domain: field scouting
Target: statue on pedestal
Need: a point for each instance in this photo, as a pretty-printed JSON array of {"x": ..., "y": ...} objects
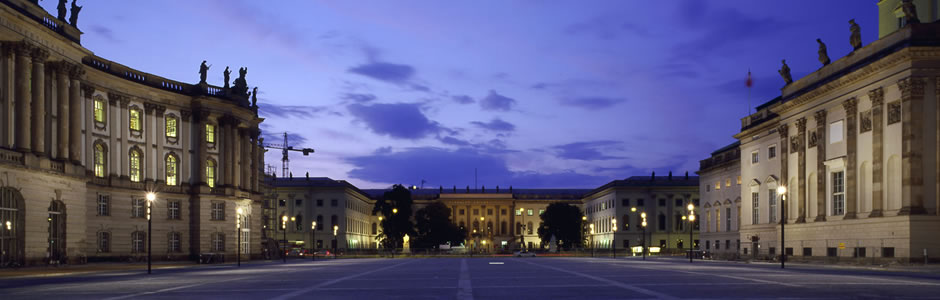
[
  {"x": 785, "y": 72},
  {"x": 73, "y": 19},
  {"x": 254, "y": 97},
  {"x": 226, "y": 74},
  {"x": 203, "y": 70},
  {"x": 910, "y": 12},
  {"x": 240, "y": 87},
  {"x": 856, "y": 37},
  {"x": 823, "y": 55},
  {"x": 62, "y": 10}
]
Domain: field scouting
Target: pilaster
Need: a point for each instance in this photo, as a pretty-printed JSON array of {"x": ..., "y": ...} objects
[
  {"x": 784, "y": 131},
  {"x": 821, "y": 175},
  {"x": 801, "y": 155},
  {"x": 877, "y": 97},
  {"x": 851, "y": 161},
  {"x": 75, "y": 119},
  {"x": 912, "y": 179},
  {"x": 38, "y": 84},
  {"x": 23, "y": 96},
  {"x": 61, "y": 71}
]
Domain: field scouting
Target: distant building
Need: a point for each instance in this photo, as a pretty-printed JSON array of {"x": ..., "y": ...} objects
[
  {"x": 84, "y": 139},
  {"x": 505, "y": 218},
  {"x": 720, "y": 189}
]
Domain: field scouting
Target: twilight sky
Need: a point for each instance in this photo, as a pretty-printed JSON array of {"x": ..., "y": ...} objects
[{"x": 531, "y": 93}]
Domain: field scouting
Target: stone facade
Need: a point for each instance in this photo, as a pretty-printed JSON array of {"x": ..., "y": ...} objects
[
  {"x": 84, "y": 139},
  {"x": 720, "y": 188}
]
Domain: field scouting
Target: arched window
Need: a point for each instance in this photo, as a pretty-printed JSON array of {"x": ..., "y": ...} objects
[
  {"x": 529, "y": 228},
  {"x": 100, "y": 160},
  {"x": 503, "y": 227},
  {"x": 135, "y": 122},
  {"x": 476, "y": 226},
  {"x": 210, "y": 172},
  {"x": 171, "y": 170},
  {"x": 100, "y": 112},
  {"x": 135, "y": 165}
]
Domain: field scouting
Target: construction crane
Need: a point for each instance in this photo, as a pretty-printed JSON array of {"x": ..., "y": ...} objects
[{"x": 285, "y": 161}]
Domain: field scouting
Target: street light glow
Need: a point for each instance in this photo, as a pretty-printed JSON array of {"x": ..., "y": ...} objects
[
  {"x": 643, "y": 215},
  {"x": 283, "y": 218},
  {"x": 690, "y": 207},
  {"x": 9, "y": 225},
  {"x": 633, "y": 209},
  {"x": 238, "y": 211},
  {"x": 583, "y": 218},
  {"x": 781, "y": 190},
  {"x": 313, "y": 225},
  {"x": 691, "y": 217},
  {"x": 151, "y": 196},
  {"x": 481, "y": 219},
  {"x": 394, "y": 210}
]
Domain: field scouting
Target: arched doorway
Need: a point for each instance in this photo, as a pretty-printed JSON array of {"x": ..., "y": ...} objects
[
  {"x": 12, "y": 219},
  {"x": 57, "y": 228}
]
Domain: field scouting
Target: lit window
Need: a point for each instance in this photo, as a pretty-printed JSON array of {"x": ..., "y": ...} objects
[
  {"x": 171, "y": 128},
  {"x": 99, "y": 160},
  {"x": 135, "y": 119},
  {"x": 210, "y": 173},
  {"x": 718, "y": 185},
  {"x": 529, "y": 212},
  {"x": 835, "y": 132},
  {"x": 210, "y": 133},
  {"x": 739, "y": 179},
  {"x": 99, "y": 110},
  {"x": 838, "y": 193},
  {"x": 728, "y": 182},
  {"x": 171, "y": 170},
  {"x": 135, "y": 165}
]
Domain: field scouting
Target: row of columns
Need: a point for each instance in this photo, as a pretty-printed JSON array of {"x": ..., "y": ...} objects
[
  {"x": 912, "y": 202},
  {"x": 29, "y": 99},
  {"x": 239, "y": 153}
]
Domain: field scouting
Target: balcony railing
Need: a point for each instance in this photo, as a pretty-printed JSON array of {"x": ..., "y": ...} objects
[{"x": 11, "y": 157}]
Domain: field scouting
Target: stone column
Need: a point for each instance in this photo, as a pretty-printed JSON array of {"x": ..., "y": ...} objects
[
  {"x": 38, "y": 88},
  {"x": 23, "y": 96},
  {"x": 185, "y": 170},
  {"x": 228, "y": 139},
  {"x": 784, "y": 131},
  {"x": 801, "y": 177},
  {"x": 7, "y": 93},
  {"x": 236, "y": 152},
  {"x": 851, "y": 161},
  {"x": 246, "y": 159},
  {"x": 254, "y": 160},
  {"x": 877, "y": 97},
  {"x": 61, "y": 69},
  {"x": 146, "y": 121},
  {"x": 912, "y": 175},
  {"x": 75, "y": 102},
  {"x": 159, "y": 133},
  {"x": 119, "y": 113},
  {"x": 821, "y": 175},
  {"x": 201, "y": 118}
]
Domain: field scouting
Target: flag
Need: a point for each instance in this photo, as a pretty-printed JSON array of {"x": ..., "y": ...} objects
[{"x": 749, "y": 81}]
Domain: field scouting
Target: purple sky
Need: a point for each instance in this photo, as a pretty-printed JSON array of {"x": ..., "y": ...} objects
[{"x": 531, "y": 93}]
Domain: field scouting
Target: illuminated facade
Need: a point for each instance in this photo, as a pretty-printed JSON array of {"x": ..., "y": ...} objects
[
  {"x": 84, "y": 139},
  {"x": 720, "y": 188}
]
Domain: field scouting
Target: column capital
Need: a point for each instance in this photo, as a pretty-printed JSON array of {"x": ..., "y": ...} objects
[
  {"x": 88, "y": 90},
  {"x": 877, "y": 97},
  {"x": 185, "y": 114},
  {"x": 820, "y": 117},
  {"x": 911, "y": 87},
  {"x": 76, "y": 72},
  {"x": 113, "y": 98},
  {"x": 149, "y": 107},
  {"x": 160, "y": 110},
  {"x": 39, "y": 55},
  {"x": 783, "y": 130},
  {"x": 22, "y": 48},
  {"x": 801, "y": 125},
  {"x": 851, "y": 107},
  {"x": 60, "y": 67}
]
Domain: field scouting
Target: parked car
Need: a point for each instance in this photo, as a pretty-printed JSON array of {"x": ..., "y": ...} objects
[{"x": 524, "y": 253}]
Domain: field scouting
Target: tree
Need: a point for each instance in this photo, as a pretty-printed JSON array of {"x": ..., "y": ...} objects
[
  {"x": 434, "y": 227},
  {"x": 563, "y": 221},
  {"x": 395, "y": 207}
]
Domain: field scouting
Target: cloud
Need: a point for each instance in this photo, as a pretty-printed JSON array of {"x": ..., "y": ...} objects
[
  {"x": 397, "y": 120},
  {"x": 721, "y": 29},
  {"x": 592, "y": 103},
  {"x": 290, "y": 111},
  {"x": 361, "y": 98},
  {"x": 454, "y": 141},
  {"x": 294, "y": 139},
  {"x": 495, "y": 101},
  {"x": 495, "y": 125},
  {"x": 388, "y": 72},
  {"x": 104, "y": 32},
  {"x": 456, "y": 167},
  {"x": 588, "y": 150},
  {"x": 462, "y": 99}
]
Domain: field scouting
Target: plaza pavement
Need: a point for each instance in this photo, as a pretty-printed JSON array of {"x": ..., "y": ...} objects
[{"x": 481, "y": 278}]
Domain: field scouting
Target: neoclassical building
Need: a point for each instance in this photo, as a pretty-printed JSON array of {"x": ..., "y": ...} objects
[
  {"x": 720, "y": 189},
  {"x": 495, "y": 218},
  {"x": 84, "y": 139},
  {"x": 856, "y": 145}
]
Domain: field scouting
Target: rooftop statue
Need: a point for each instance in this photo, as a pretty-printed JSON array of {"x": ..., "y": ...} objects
[
  {"x": 254, "y": 97},
  {"x": 240, "y": 87},
  {"x": 785, "y": 72},
  {"x": 226, "y": 74},
  {"x": 73, "y": 19},
  {"x": 62, "y": 10},
  {"x": 910, "y": 12},
  {"x": 856, "y": 37},
  {"x": 203, "y": 69},
  {"x": 823, "y": 54}
]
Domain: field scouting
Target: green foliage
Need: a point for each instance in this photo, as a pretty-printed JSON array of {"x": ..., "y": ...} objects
[
  {"x": 395, "y": 223},
  {"x": 435, "y": 228},
  {"x": 564, "y": 222}
]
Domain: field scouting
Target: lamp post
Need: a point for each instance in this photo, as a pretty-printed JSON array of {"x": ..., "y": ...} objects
[
  {"x": 482, "y": 231},
  {"x": 592, "y": 239},
  {"x": 335, "y": 229},
  {"x": 583, "y": 230},
  {"x": 613, "y": 241},
  {"x": 238, "y": 228},
  {"x": 150, "y": 198},
  {"x": 782, "y": 190},
  {"x": 522, "y": 233},
  {"x": 691, "y": 221},
  {"x": 643, "y": 224},
  {"x": 284, "y": 229},
  {"x": 313, "y": 238}
]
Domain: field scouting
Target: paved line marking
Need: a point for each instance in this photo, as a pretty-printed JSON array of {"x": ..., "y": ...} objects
[
  {"x": 719, "y": 275},
  {"x": 337, "y": 280},
  {"x": 171, "y": 289},
  {"x": 608, "y": 281},
  {"x": 464, "y": 289}
]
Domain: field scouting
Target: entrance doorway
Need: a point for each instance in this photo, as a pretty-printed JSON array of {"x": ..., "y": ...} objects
[
  {"x": 12, "y": 217},
  {"x": 56, "y": 251}
]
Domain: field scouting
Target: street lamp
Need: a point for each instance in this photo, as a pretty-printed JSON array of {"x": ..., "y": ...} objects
[
  {"x": 613, "y": 241},
  {"x": 521, "y": 233},
  {"x": 482, "y": 231},
  {"x": 238, "y": 227},
  {"x": 394, "y": 210},
  {"x": 313, "y": 238},
  {"x": 335, "y": 229},
  {"x": 592, "y": 239},
  {"x": 643, "y": 224},
  {"x": 782, "y": 191},
  {"x": 284, "y": 229},
  {"x": 691, "y": 221},
  {"x": 150, "y": 198}
]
